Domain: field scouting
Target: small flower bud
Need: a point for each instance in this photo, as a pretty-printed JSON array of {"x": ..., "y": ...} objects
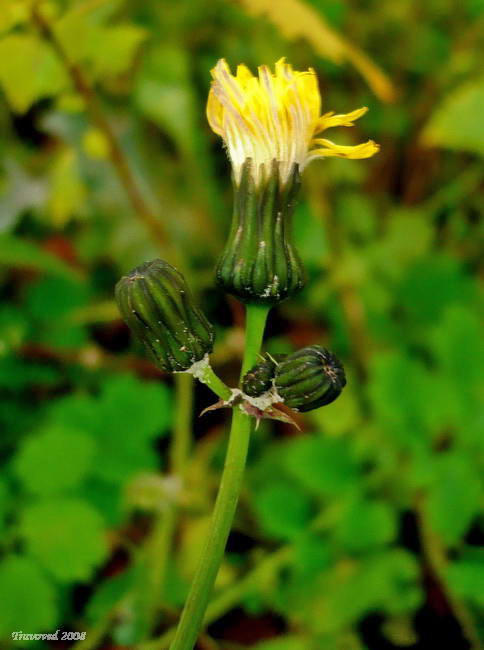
[
  {"x": 258, "y": 380},
  {"x": 309, "y": 378},
  {"x": 158, "y": 307}
]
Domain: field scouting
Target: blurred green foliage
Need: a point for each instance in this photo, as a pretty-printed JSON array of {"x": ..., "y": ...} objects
[{"x": 363, "y": 531}]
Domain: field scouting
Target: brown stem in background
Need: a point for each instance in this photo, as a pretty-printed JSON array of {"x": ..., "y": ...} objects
[
  {"x": 116, "y": 154},
  {"x": 435, "y": 558},
  {"x": 91, "y": 357}
]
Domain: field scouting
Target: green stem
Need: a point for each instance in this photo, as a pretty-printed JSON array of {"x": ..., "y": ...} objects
[
  {"x": 223, "y": 514},
  {"x": 269, "y": 566},
  {"x": 154, "y": 564},
  {"x": 192, "y": 616},
  {"x": 254, "y": 333},
  {"x": 210, "y": 379},
  {"x": 160, "y": 544}
]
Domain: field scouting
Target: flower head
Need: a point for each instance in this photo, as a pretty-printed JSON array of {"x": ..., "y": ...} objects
[{"x": 275, "y": 116}]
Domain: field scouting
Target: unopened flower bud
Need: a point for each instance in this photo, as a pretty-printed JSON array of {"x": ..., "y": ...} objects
[
  {"x": 259, "y": 379},
  {"x": 309, "y": 378},
  {"x": 158, "y": 307}
]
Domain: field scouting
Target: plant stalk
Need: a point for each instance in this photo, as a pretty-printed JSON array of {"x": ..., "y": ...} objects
[
  {"x": 210, "y": 379},
  {"x": 192, "y": 616},
  {"x": 160, "y": 544}
]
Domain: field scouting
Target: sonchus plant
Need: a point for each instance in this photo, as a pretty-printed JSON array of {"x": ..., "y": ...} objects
[{"x": 271, "y": 126}]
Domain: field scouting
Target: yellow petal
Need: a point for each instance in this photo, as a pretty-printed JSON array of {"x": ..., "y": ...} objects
[
  {"x": 329, "y": 120},
  {"x": 364, "y": 150},
  {"x": 243, "y": 74},
  {"x": 215, "y": 113},
  {"x": 230, "y": 85},
  {"x": 307, "y": 87}
]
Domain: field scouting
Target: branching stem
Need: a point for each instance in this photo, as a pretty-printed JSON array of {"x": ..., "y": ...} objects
[
  {"x": 201, "y": 588},
  {"x": 210, "y": 379}
]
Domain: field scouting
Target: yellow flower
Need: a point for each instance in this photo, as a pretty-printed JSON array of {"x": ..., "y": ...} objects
[{"x": 275, "y": 117}]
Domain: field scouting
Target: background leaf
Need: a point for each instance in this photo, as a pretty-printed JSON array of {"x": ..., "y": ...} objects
[
  {"x": 455, "y": 123},
  {"x": 66, "y": 536},
  {"x": 33, "y": 71},
  {"x": 70, "y": 452},
  {"x": 29, "y": 600}
]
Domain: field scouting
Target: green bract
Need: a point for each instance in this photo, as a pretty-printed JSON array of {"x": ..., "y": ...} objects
[
  {"x": 158, "y": 307},
  {"x": 259, "y": 263},
  {"x": 309, "y": 378},
  {"x": 258, "y": 380}
]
